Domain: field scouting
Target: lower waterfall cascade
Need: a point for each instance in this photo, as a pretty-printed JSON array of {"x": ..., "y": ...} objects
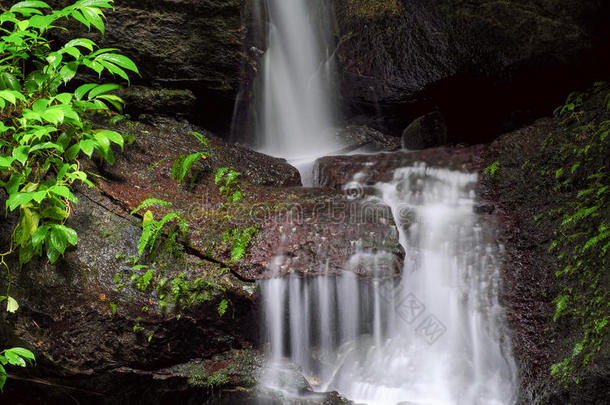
[{"x": 435, "y": 335}]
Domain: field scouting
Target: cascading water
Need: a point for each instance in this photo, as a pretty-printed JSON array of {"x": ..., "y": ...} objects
[
  {"x": 296, "y": 100},
  {"x": 436, "y": 336}
]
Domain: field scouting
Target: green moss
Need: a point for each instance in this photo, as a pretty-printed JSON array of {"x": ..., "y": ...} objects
[
  {"x": 234, "y": 368},
  {"x": 371, "y": 9}
]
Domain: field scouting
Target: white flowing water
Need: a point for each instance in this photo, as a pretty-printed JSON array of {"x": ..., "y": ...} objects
[
  {"x": 434, "y": 336},
  {"x": 297, "y": 107}
]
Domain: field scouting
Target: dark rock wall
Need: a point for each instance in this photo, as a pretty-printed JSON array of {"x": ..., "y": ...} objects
[
  {"x": 189, "y": 53},
  {"x": 489, "y": 66}
]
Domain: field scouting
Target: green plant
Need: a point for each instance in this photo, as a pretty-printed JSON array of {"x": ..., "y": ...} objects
[
  {"x": 492, "y": 168},
  {"x": 183, "y": 163},
  {"x": 240, "y": 240},
  {"x": 16, "y": 356},
  {"x": 226, "y": 180},
  {"x": 151, "y": 229},
  {"x": 577, "y": 165},
  {"x": 44, "y": 127}
]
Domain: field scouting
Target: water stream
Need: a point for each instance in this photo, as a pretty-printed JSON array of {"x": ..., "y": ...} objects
[
  {"x": 297, "y": 108},
  {"x": 435, "y": 335}
]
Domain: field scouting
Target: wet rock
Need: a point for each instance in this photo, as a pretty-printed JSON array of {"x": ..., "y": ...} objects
[
  {"x": 82, "y": 325},
  {"x": 339, "y": 171},
  {"x": 368, "y": 138},
  {"x": 146, "y": 100},
  {"x": 484, "y": 208},
  {"x": 530, "y": 284},
  {"x": 307, "y": 231},
  {"x": 425, "y": 132}
]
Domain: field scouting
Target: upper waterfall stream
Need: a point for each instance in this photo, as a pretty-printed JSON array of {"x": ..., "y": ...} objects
[{"x": 296, "y": 105}]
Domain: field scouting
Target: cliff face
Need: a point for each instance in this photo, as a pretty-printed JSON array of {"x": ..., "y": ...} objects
[
  {"x": 488, "y": 66},
  {"x": 189, "y": 53},
  {"x": 398, "y": 59}
]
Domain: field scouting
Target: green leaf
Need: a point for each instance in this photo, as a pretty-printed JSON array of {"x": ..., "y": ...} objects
[
  {"x": 69, "y": 233},
  {"x": 71, "y": 50},
  {"x": 21, "y": 153},
  {"x": 114, "y": 69},
  {"x": 53, "y": 115},
  {"x": 29, "y": 4},
  {"x": 18, "y": 199},
  {"x": 116, "y": 101},
  {"x": 92, "y": 15},
  {"x": 28, "y": 224},
  {"x": 52, "y": 253},
  {"x": 55, "y": 213},
  {"x": 68, "y": 71},
  {"x": 40, "y": 105},
  {"x": 149, "y": 203},
  {"x": 72, "y": 152},
  {"x": 9, "y": 81},
  {"x": 6, "y": 161},
  {"x": 101, "y": 89},
  {"x": 219, "y": 174},
  {"x": 82, "y": 90},
  {"x": 222, "y": 307},
  {"x": 78, "y": 16},
  {"x": 9, "y": 96},
  {"x": 2, "y": 377},
  {"x": 120, "y": 60},
  {"x": 103, "y": 142},
  {"x": 58, "y": 240},
  {"x": 26, "y": 354},
  {"x": 87, "y": 146},
  {"x": 95, "y": 3},
  {"x": 11, "y": 305},
  {"x": 40, "y": 235},
  {"x": 82, "y": 42},
  {"x": 112, "y": 136},
  {"x": 47, "y": 145},
  {"x": 63, "y": 191},
  {"x": 183, "y": 165},
  {"x": 42, "y": 22}
]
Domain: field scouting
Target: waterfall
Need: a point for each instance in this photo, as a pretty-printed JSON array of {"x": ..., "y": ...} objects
[
  {"x": 296, "y": 101},
  {"x": 435, "y": 336}
]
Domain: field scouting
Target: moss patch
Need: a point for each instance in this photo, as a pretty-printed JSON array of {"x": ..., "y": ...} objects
[{"x": 371, "y": 9}]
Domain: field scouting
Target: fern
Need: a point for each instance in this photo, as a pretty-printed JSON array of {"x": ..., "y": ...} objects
[
  {"x": 149, "y": 203},
  {"x": 184, "y": 163},
  {"x": 151, "y": 229},
  {"x": 241, "y": 241}
]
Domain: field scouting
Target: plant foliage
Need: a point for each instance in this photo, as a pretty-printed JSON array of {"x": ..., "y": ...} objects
[
  {"x": 578, "y": 166},
  {"x": 16, "y": 356},
  {"x": 44, "y": 129}
]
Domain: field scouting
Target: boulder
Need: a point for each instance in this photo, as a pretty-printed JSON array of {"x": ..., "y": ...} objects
[
  {"x": 361, "y": 136},
  {"x": 338, "y": 172},
  {"x": 427, "y": 131},
  {"x": 307, "y": 231}
]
